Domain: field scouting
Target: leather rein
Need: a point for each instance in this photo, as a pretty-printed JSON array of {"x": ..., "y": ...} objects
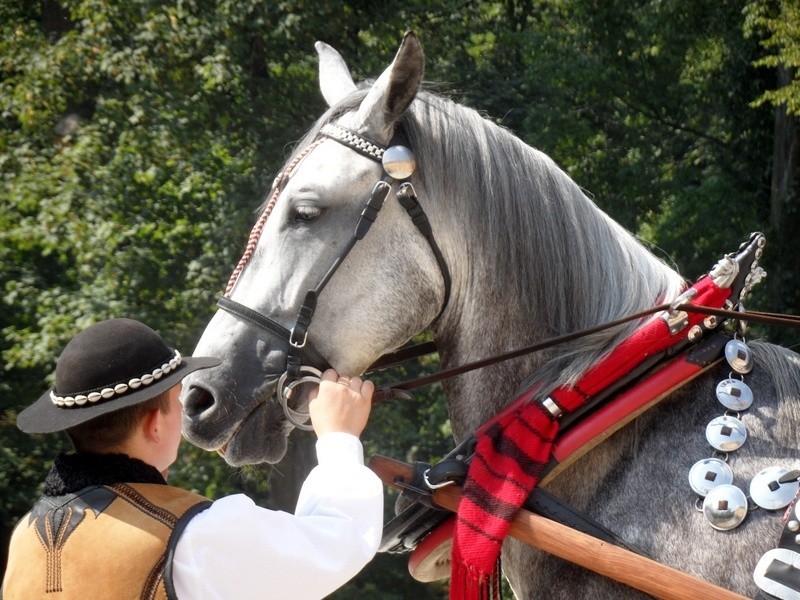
[{"x": 391, "y": 391}]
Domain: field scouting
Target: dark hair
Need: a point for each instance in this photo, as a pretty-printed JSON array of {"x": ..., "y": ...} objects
[{"x": 107, "y": 431}]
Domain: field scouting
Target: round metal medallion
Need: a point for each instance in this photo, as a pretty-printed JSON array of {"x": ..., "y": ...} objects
[
  {"x": 738, "y": 356},
  {"x": 768, "y": 492},
  {"x": 708, "y": 473},
  {"x": 725, "y": 507},
  {"x": 399, "y": 162},
  {"x": 734, "y": 394},
  {"x": 726, "y": 433}
]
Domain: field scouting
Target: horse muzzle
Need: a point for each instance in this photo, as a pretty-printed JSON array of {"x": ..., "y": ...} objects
[{"x": 245, "y": 428}]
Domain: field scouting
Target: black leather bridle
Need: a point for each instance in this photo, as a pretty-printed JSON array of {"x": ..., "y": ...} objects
[{"x": 299, "y": 348}]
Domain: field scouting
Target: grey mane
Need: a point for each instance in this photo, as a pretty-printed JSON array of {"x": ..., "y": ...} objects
[{"x": 507, "y": 190}]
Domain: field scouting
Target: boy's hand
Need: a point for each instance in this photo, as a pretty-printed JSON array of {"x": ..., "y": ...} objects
[{"x": 340, "y": 404}]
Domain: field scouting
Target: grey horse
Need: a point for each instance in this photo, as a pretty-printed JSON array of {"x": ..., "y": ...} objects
[{"x": 529, "y": 257}]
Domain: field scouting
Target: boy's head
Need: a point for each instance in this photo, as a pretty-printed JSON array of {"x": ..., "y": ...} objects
[
  {"x": 115, "y": 370},
  {"x": 108, "y": 432}
]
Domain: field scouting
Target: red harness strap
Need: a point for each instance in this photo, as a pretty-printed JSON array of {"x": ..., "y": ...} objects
[{"x": 513, "y": 449}]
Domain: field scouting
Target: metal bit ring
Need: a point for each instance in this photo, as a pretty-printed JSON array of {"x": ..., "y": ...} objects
[{"x": 285, "y": 392}]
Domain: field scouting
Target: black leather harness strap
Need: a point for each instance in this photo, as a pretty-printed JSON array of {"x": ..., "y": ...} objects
[
  {"x": 389, "y": 391},
  {"x": 408, "y": 200},
  {"x": 256, "y": 318},
  {"x": 299, "y": 333}
]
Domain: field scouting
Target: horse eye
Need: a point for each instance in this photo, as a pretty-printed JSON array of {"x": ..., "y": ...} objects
[{"x": 305, "y": 213}]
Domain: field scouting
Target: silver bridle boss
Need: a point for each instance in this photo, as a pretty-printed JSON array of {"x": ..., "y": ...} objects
[{"x": 398, "y": 164}]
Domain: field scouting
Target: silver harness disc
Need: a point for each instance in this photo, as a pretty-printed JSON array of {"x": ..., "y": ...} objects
[
  {"x": 734, "y": 394},
  {"x": 725, "y": 507},
  {"x": 398, "y": 161},
  {"x": 708, "y": 473},
  {"x": 739, "y": 356},
  {"x": 768, "y": 492},
  {"x": 726, "y": 433}
]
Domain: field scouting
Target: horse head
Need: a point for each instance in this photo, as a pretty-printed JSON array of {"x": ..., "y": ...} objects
[{"x": 366, "y": 295}]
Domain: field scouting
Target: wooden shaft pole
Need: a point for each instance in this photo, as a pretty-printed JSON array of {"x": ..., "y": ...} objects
[{"x": 609, "y": 560}]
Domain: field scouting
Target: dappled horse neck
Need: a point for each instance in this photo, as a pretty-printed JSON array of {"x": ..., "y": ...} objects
[{"x": 538, "y": 252}]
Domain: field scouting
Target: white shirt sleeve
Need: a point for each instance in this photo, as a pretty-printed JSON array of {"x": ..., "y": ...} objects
[{"x": 236, "y": 550}]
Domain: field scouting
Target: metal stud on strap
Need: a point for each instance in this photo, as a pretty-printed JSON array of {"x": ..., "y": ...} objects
[{"x": 553, "y": 408}]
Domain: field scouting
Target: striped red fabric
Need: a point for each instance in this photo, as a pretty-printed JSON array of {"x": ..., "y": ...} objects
[
  {"x": 514, "y": 447},
  {"x": 508, "y": 461}
]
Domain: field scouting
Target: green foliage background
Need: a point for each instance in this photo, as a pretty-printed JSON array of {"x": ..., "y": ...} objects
[{"x": 138, "y": 137}]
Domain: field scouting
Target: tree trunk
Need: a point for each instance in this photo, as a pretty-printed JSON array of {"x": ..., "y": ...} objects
[{"x": 784, "y": 213}]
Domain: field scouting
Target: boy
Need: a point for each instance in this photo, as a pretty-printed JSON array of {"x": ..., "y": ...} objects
[{"x": 109, "y": 526}]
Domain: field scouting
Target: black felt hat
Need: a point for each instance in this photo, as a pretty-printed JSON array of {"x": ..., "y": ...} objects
[{"x": 108, "y": 366}]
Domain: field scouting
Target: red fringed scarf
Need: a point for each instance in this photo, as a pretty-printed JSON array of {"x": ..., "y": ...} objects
[{"x": 514, "y": 447}]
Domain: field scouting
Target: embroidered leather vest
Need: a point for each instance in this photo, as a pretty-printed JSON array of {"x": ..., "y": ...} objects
[{"x": 102, "y": 542}]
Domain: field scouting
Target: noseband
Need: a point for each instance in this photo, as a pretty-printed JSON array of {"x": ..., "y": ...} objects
[{"x": 398, "y": 164}]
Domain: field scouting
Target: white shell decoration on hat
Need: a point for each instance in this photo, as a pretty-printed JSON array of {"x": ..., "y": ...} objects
[{"x": 118, "y": 389}]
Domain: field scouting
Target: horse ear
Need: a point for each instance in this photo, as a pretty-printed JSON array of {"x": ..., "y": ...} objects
[
  {"x": 394, "y": 90},
  {"x": 335, "y": 80}
]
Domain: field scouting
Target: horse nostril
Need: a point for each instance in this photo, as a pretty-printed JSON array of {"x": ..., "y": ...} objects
[{"x": 197, "y": 400}]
